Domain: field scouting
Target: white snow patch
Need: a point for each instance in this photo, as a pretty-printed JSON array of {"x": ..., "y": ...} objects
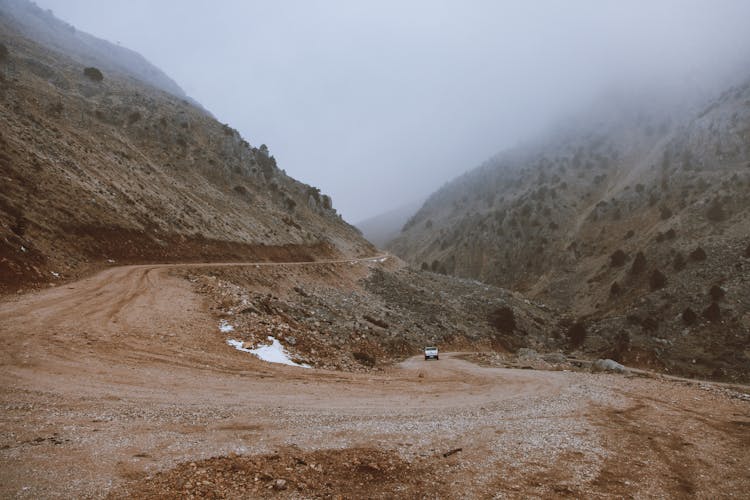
[
  {"x": 225, "y": 327},
  {"x": 274, "y": 353},
  {"x": 56, "y": 275},
  {"x": 237, "y": 344},
  {"x": 23, "y": 249},
  {"x": 382, "y": 259}
]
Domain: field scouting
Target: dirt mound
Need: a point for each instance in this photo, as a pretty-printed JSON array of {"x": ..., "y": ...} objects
[{"x": 293, "y": 473}]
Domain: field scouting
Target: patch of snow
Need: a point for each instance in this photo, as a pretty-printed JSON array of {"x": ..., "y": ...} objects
[
  {"x": 111, "y": 261},
  {"x": 225, "y": 327},
  {"x": 382, "y": 259},
  {"x": 56, "y": 275},
  {"x": 274, "y": 353},
  {"x": 238, "y": 344},
  {"x": 23, "y": 249}
]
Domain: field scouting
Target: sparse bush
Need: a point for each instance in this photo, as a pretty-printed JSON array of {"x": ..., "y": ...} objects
[
  {"x": 503, "y": 319},
  {"x": 4, "y": 54},
  {"x": 364, "y": 358},
  {"x": 639, "y": 264},
  {"x": 240, "y": 190},
  {"x": 747, "y": 251},
  {"x": 134, "y": 117},
  {"x": 657, "y": 280},
  {"x": 615, "y": 289},
  {"x": 717, "y": 293},
  {"x": 698, "y": 255},
  {"x": 665, "y": 212},
  {"x": 425, "y": 266},
  {"x": 679, "y": 262},
  {"x": 93, "y": 74},
  {"x": 618, "y": 258},
  {"x": 716, "y": 212},
  {"x": 689, "y": 316},
  {"x": 577, "y": 334},
  {"x": 712, "y": 312}
]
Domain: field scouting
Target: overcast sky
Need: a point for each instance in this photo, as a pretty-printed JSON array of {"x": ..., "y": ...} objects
[{"x": 381, "y": 102}]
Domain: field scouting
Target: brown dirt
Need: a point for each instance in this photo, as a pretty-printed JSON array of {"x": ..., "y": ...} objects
[{"x": 115, "y": 385}]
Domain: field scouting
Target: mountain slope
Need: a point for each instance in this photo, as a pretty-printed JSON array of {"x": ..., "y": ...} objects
[
  {"x": 637, "y": 226},
  {"x": 95, "y": 171}
]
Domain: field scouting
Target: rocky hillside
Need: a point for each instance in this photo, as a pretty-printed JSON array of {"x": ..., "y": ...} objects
[
  {"x": 638, "y": 226},
  {"x": 105, "y": 161}
]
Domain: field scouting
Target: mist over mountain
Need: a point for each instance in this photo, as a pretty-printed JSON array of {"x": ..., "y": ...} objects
[
  {"x": 381, "y": 103},
  {"x": 633, "y": 218}
]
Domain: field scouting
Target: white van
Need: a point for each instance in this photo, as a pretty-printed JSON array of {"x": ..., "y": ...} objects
[{"x": 431, "y": 353}]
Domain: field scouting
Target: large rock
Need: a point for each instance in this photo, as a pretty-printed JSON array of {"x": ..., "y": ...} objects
[{"x": 607, "y": 365}]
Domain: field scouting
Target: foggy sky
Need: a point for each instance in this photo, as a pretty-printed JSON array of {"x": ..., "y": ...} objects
[{"x": 380, "y": 102}]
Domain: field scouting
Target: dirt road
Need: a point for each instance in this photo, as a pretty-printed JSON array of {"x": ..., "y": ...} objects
[{"x": 112, "y": 382}]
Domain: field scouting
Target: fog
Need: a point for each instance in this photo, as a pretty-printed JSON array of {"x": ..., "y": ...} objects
[{"x": 379, "y": 103}]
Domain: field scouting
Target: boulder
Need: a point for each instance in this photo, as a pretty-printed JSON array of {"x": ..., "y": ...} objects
[{"x": 607, "y": 365}]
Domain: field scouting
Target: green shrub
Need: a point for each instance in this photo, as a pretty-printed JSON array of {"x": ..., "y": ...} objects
[{"x": 93, "y": 74}]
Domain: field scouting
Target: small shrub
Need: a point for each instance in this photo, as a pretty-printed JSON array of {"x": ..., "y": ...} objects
[
  {"x": 639, "y": 264},
  {"x": 425, "y": 266},
  {"x": 577, "y": 334},
  {"x": 618, "y": 258},
  {"x": 364, "y": 358},
  {"x": 657, "y": 280},
  {"x": 4, "y": 54},
  {"x": 689, "y": 316},
  {"x": 716, "y": 292},
  {"x": 712, "y": 312},
  {"x": 375, "y": 321},
  {"x": 679, "y": 262},
  {"x": 615, "y": 289},
  {"x": 134, "y": 117},
  {"x": 665, "y": 212},
  {"x": 747, "y": 251},
  {"x": 716, "y": 212},
  {"x": 698, "y": 255},
  {"x": 649, "y": 324},
  {"x": 93, "y": 74},
  {"x": 503, "y": 319},
  {"x": 240, "y": 189}
]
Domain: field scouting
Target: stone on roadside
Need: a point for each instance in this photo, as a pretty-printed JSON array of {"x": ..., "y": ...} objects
[{"x": 607, "y": 365}]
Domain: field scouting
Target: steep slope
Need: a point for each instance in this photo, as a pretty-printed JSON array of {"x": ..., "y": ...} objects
[
  {"x": 96, "y": 170},
  {"x": 637, "y": 226},
  {"x": 41, "y": 25}
]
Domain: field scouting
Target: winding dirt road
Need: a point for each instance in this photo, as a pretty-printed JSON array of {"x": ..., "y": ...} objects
[{"x": 114, "y": 378}]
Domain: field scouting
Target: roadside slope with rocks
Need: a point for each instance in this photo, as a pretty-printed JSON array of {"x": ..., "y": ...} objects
[{"x": 100, "y": 168}]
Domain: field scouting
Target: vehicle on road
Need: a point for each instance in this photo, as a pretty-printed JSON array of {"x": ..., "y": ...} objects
[{"x": 431, "y": 353}]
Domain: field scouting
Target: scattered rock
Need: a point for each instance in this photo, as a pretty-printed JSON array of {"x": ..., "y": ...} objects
[
  {"x": 607, "y": 365},
  {"x": 279, "y": 484}
]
